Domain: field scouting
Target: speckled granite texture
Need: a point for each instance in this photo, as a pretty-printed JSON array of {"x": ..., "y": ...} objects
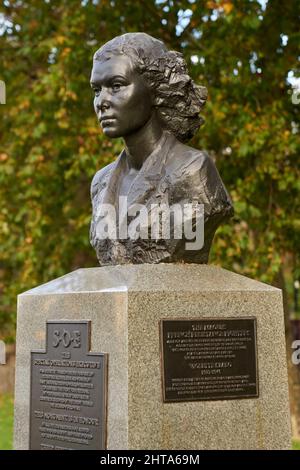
[{"x": 125, "y": 305}]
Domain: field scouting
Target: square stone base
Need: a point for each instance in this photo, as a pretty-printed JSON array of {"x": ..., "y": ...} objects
[{"x": 125, "y": 305}]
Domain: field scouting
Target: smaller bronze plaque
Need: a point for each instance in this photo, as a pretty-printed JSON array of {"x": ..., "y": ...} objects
[
  {"x": 209, "y": 359},
  {"x": 68, "y": 390}
]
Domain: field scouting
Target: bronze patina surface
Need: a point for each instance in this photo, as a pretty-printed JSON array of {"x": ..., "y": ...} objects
[{"x": 68, "y": 390}]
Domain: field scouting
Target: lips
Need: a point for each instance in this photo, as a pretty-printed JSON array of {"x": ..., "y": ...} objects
[{"x": 106, "y": 119}]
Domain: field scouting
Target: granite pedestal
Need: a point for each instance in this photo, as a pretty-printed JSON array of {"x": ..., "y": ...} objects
[{"x": 125, "y": 305}]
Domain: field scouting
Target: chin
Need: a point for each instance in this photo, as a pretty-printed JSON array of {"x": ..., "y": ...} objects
[{"x": 112, "y": 133}]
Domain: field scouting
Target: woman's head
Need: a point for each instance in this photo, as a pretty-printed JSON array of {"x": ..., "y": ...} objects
[{"x": 177, "y": 99}]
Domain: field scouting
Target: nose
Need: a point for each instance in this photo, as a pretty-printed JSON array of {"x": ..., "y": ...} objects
[{"x": 103, "y": 101}]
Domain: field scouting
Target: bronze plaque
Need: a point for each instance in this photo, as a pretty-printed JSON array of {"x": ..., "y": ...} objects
[
  {"x": 68, "y": 390},
  {"x": 209, "y": 359}
]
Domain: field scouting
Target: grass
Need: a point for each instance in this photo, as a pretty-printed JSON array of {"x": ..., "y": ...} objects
[
  {"x": 6, "y": 422},
  {"x": 296, "y": 445}
]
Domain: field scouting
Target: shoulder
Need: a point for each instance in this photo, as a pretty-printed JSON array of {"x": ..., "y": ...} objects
[
  {"x": 99, "y": 178},
  {"x": 195, "y": 171},
  {"x": 189, "y": 160}
]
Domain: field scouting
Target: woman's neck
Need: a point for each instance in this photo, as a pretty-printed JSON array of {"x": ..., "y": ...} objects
[{"x": 141, "y": 144}]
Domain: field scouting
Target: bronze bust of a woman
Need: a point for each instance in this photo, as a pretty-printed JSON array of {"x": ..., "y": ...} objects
[{"x": 143, "y": 93}]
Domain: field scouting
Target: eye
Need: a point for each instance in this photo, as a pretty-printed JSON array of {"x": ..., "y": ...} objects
[
  {"x": 116, "y": 86},
  {"x": 97, "y": 91}
]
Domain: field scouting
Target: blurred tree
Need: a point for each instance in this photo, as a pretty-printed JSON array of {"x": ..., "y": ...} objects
[{"x": 245, "y": 51}]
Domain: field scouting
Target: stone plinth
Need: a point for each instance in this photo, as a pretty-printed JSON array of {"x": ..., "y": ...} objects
[{"x": 125, "y": 305}]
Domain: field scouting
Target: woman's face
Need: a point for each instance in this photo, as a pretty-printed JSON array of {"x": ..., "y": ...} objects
[{"x": 122, "y": 101}]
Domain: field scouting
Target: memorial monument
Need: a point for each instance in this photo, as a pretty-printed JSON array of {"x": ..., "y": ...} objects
[
  {"x": 144, "y": 94},
  {"x": 154, "y": 349}
]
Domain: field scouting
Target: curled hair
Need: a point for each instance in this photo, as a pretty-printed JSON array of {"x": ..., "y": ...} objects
[{"x": 177, "y": 98}]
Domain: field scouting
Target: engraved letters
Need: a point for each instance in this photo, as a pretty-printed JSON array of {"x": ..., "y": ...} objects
[
  {"x": 68, "y": 391},
  {"x": 67, "y": 338},
  {"x": 209, "y": 359}
]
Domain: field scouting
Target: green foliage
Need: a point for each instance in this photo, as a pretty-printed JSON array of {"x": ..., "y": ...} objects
[
  {"x": 296, "y": 445},
  {"x": 6, "y": 422},
  {"x": 51, "y": 145}
]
